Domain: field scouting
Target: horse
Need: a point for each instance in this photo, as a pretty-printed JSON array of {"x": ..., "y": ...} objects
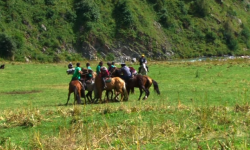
[
  {"x": 75, "y": 87},
  {"x": 115, "y": 83},
  {"x": 140, "y": 81},
  {"x": 143, "y": 69}
]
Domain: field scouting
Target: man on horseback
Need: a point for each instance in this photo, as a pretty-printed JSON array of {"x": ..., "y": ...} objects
[
  {"x": 104, "y": 74},
  {"x": 98, "y": 68},
  {"x": 125, "y": 71},
  {"x": 110, "y": 66},
  {"x": 142, "y": 61},
  {"x": 77, "y": 75},
  {"x": 70, "y": 65},
  {"x": 89, "y": 75}
]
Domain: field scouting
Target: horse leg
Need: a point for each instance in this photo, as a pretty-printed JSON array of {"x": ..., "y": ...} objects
[
  {"x": 68, "y": 99},
  {"x": 140, "y": 93}
]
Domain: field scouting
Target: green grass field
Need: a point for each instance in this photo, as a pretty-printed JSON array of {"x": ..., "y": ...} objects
[{"x": 203, "y": 105}]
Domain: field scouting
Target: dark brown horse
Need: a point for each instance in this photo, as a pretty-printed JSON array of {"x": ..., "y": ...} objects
[
  {"x": 75, "y": 87},
  {"x": 140, "y": 81}
]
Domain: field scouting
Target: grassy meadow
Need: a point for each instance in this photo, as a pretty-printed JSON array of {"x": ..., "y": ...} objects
[{"x": 203, "y": 105}]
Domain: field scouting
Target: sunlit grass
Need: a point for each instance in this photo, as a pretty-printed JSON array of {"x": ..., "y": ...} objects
[{"x": 202, "y": 105}]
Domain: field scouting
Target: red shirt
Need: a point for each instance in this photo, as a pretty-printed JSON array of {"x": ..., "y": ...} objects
[{"x": 104, "y": 73}]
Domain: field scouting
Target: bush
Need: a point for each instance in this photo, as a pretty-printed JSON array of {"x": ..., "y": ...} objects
[
  {"x": 87, "y": 10},
  {"x": 7, "y": 46},
  {"x": 200, "y": 8},
  {"x": 110, "y": 57},
  {"x": 70, "y": 16},
  {"x": 210, "y": 36},
  {"x": 245, "y": 33},
  {"x": 164, "y": 18},
  {"x": 124, "y": 15},
  {"x": 49, "y": 2}
]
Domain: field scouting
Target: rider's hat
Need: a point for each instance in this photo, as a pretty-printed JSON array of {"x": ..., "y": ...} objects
[
  {"x": 143, "y": 55},
  {"x": 123, "y": 64},
  {"x": 108, "y": 63}
]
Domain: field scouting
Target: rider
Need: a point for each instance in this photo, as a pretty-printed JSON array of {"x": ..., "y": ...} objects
[
  {"x": 98, "y": 68},
  {"x": 126, "y": 74},
  {"x": 113, "y": 64},
  {"x": 103, "y": 74},
  {"x": 77, "y": 75},
  {"x": 70, "y": 65},
  {"x": 89, "y": 75},
  {"x": 142, "y": 60},
  {"x": 110, "y": 66}
]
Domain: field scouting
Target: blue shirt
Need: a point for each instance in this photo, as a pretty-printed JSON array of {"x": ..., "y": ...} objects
[{"x": 125, "y": 71}]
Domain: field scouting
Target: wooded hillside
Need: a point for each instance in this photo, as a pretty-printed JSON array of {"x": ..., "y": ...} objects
[{"x": 57, "y": 30}]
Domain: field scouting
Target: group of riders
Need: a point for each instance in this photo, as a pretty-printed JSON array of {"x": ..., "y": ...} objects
[{"x": 125, "y": 72}]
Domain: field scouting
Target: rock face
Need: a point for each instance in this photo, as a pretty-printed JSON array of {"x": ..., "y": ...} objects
[{"x": 95, "y": 50}]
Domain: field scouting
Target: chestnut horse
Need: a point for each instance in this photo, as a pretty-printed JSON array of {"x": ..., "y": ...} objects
[
  {"x": 140, "y": 81},
  {"x": 116, "y": 83},
  {"x": 75, "y": 87}
]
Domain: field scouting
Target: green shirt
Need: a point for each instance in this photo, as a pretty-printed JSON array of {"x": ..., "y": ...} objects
[
  {"x": 98, "y": 69},
  {"x": 77, "y": 73},
  {"x": 89, "y": 68}
]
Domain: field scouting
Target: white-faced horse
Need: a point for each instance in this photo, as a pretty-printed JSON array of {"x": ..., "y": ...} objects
[{"x": 143, "y": 69}]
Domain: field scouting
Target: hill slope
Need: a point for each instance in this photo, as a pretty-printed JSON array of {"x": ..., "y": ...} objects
[{"x": 50, "y": 30}]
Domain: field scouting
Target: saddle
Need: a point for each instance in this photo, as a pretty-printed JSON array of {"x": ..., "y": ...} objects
[{"x": 107, "y": 79}]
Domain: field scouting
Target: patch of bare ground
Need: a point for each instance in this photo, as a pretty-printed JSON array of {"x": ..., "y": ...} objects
[{"x": 22, "y": 92}]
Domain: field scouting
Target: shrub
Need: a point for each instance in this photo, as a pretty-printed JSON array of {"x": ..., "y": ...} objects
[
  {"x": 245, "y": 33},
  {"x": 87, "y": 10},
  {"x": 110, "y": 57},
  {"x": 70, "y": 16},
  {"x": 7, "y": 46},
  {"x": 164, "y": 18},
  {"x": 124, "y": 15},
  {"x": 49, "y": 2},
  {"x": 210, "y": 36},
  {"x": 200, "y": 8}
]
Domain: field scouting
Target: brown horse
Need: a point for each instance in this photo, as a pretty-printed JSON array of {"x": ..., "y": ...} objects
[
  {"x": 116, "y": 83},
  {"x": 76, "y": 87},
  {"x": 140, "y": 81}
]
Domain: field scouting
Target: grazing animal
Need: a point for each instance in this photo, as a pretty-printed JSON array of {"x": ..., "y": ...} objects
[
  {"x": 75, "y": 87},
  {"x": 116, "y": 83},
  {"x": 2, "y": 66},
  {"x": 140, "y": 81}
]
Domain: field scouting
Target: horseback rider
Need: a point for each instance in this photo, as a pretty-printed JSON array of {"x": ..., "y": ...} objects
[
  {"x": 70, "y": 65},
  {"x": 110, "y": 66},
  {"x": 77, "y": 75},
  {"x": 113, "y": 64},
  {"x": 98, "y": 68},
  {"x": 125, "y": 72},
  {"x": 103, "y": 74},
  {"x": 90, "y": 72},
  {"x": 142, "y": 61}
]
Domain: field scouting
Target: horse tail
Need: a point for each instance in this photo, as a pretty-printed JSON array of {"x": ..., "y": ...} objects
[
  {"x": 124, "y": 90},
  {"x": 156, "y": 87}
]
